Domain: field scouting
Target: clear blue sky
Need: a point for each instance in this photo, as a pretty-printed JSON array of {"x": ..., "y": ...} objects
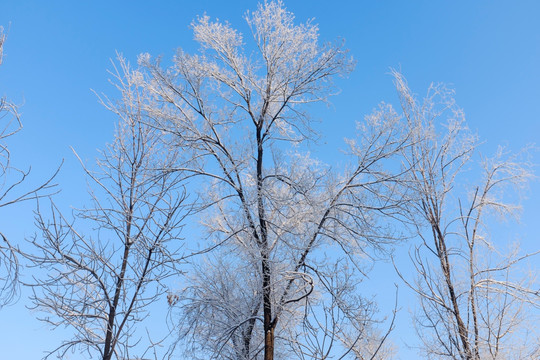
[{"x": 58, "y": 51}]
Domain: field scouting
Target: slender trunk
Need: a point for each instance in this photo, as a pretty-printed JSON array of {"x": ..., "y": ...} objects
[
  {"x": 110, "y": 342},
  {"x": 108, "y": 348},
  {"x": 473, "y": 301},
  {"x": 445, "y": 265},
  {"x": 471, "y": 271},
  {"x": 269, "y": 323},
  {"x": 267, "y": 309}
]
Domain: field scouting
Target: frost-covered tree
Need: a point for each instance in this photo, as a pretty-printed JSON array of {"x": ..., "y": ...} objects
[
  {"x": 101, "y": 272},
  {"x": 477, "y": 297},
  {"x": 294, "y": 232}
]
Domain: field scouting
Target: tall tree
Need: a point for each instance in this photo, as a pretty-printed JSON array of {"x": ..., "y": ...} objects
[
  {"x": 102, "y": 275},
  {"x": 473, "y": 289},
  {"x": 289, "y": 223}
]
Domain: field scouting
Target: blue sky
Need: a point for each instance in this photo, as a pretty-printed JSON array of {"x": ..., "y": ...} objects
[{"x": 57, "y": 52}]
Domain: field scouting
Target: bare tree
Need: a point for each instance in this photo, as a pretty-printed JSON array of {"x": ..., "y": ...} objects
[
  {"x": 290, "y": 224},
  {"x": 103, "y": 273},
  {"x": 11, "y": 181},
  {"x": 474, "y": 292}
]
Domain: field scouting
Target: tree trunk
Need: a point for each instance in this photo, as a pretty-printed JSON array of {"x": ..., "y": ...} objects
[
  {"x": 269, "y": 343},
  {"x": 269, "y": 324},
  {"x": 445, "y": 265}
]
